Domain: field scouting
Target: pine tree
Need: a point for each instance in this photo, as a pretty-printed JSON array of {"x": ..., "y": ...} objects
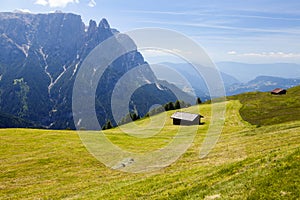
[
  {"x": 134, "y": 116},
  {"x": 166, "y": 107},
  {"x": 109, "y": 125},
  {"x": 171, "y": 106},
  {"x": 177, "y": 105},
  {"x": 198, "y": 101}
]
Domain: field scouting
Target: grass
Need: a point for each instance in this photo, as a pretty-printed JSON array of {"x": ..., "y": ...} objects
[
  {"x": 247, "y": 163},
  {"x": 262, "y": 108}
]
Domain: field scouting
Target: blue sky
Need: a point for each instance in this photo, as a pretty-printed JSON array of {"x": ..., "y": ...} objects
[{"x": 251, "y": 31}]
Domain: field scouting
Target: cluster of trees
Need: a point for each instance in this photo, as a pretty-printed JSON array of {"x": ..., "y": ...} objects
[
  {"x": 133, "y": 116},
  {"x": 177, "y": 105},
  {"x": 107, "y": 125}
]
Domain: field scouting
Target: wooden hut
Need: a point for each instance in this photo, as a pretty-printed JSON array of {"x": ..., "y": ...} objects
[
  {"x": 183, "y": 118},
  {"x": 278, "y": 91}
]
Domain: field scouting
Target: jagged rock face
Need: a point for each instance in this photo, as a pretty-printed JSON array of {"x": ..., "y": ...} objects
[{"x": 40, "y": 56}]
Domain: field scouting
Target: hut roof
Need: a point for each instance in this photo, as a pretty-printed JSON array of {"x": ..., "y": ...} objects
[
  {"x": 277, "y": 90},
  {"x": 185, "y": 116}
]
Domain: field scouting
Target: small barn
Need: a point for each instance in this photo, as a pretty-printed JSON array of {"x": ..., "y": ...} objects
[
  {"x": 278, "y": 91},
  {"x": 183, "y": 118}
]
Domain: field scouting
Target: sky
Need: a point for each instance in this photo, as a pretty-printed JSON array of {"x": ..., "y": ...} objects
[{"x": 249, "y": 31}]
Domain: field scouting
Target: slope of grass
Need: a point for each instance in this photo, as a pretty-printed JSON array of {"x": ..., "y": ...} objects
[
  {"x": 262, "y": 108},
  {"x": 246, "y": 163}
]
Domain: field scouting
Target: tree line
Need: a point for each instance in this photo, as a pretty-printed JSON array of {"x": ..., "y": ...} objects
[{"x": 134, "y": 115}]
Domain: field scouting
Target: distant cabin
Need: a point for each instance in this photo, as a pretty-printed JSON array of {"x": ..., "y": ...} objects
[
  {"x": 278, "y": 91},
  {"x": 183, "y": 118}
]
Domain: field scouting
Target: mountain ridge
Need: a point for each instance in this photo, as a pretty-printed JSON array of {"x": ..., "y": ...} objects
[
  {"x": 187, "y": 78},
  {"x": 40, "y": 57},
  {"x": 262, "y": 84},
  {"x": 246, "y": 72}
]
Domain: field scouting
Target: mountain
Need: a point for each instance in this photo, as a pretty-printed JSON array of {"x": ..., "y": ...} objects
[
  {"x": 10, "y": 121},
  {"x": 40, "y": 57},
  {"x": 187, "y": 78},
  {"x": 184, "y": 76},
  {"x": 262, "y": 84},
  {"x": 247, "y": 72}
]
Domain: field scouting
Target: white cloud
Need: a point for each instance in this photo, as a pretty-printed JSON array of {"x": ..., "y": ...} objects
[
  {"x": 149, "y": 53},
  {"x": 213, "y": 13},
  {"x": 41, "y": 2},
  {"x": 22, "y": 10},
  {"x": 55, "y": 3},
  {"x": 92, "y": 3},
  {"x": 224, "y": 27},
  {"x": 273, "y": 55},
  {"x": 265, "y": 54},
  {"x": 159, "y": 55},
  {"x": 231, "y": 52}
]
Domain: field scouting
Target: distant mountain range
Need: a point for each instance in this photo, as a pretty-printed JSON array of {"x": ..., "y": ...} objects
[
  {"x": 260, "y": 77},
  {"x": 247, "y": 72},
  {"x": 262, "y": 84},
  {"x": 184, "y": 76},
  {"x": 40, "y": 55}
]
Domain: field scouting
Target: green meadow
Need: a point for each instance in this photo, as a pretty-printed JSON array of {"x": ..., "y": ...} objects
[
  {"x": 262, "y": 108},
  {"x": 249, "y": 161}
]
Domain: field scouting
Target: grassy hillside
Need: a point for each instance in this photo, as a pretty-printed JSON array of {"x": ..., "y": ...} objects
[
  {"x": 247, "y": 163},
  {"x": 262, "y": 108}
]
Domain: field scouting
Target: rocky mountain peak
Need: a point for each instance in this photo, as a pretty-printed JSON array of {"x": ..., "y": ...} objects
[
  {"x": 92, "y": 26},
  {"x": 104, "y": 24},
  {"x": 41, "y": 55}
]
